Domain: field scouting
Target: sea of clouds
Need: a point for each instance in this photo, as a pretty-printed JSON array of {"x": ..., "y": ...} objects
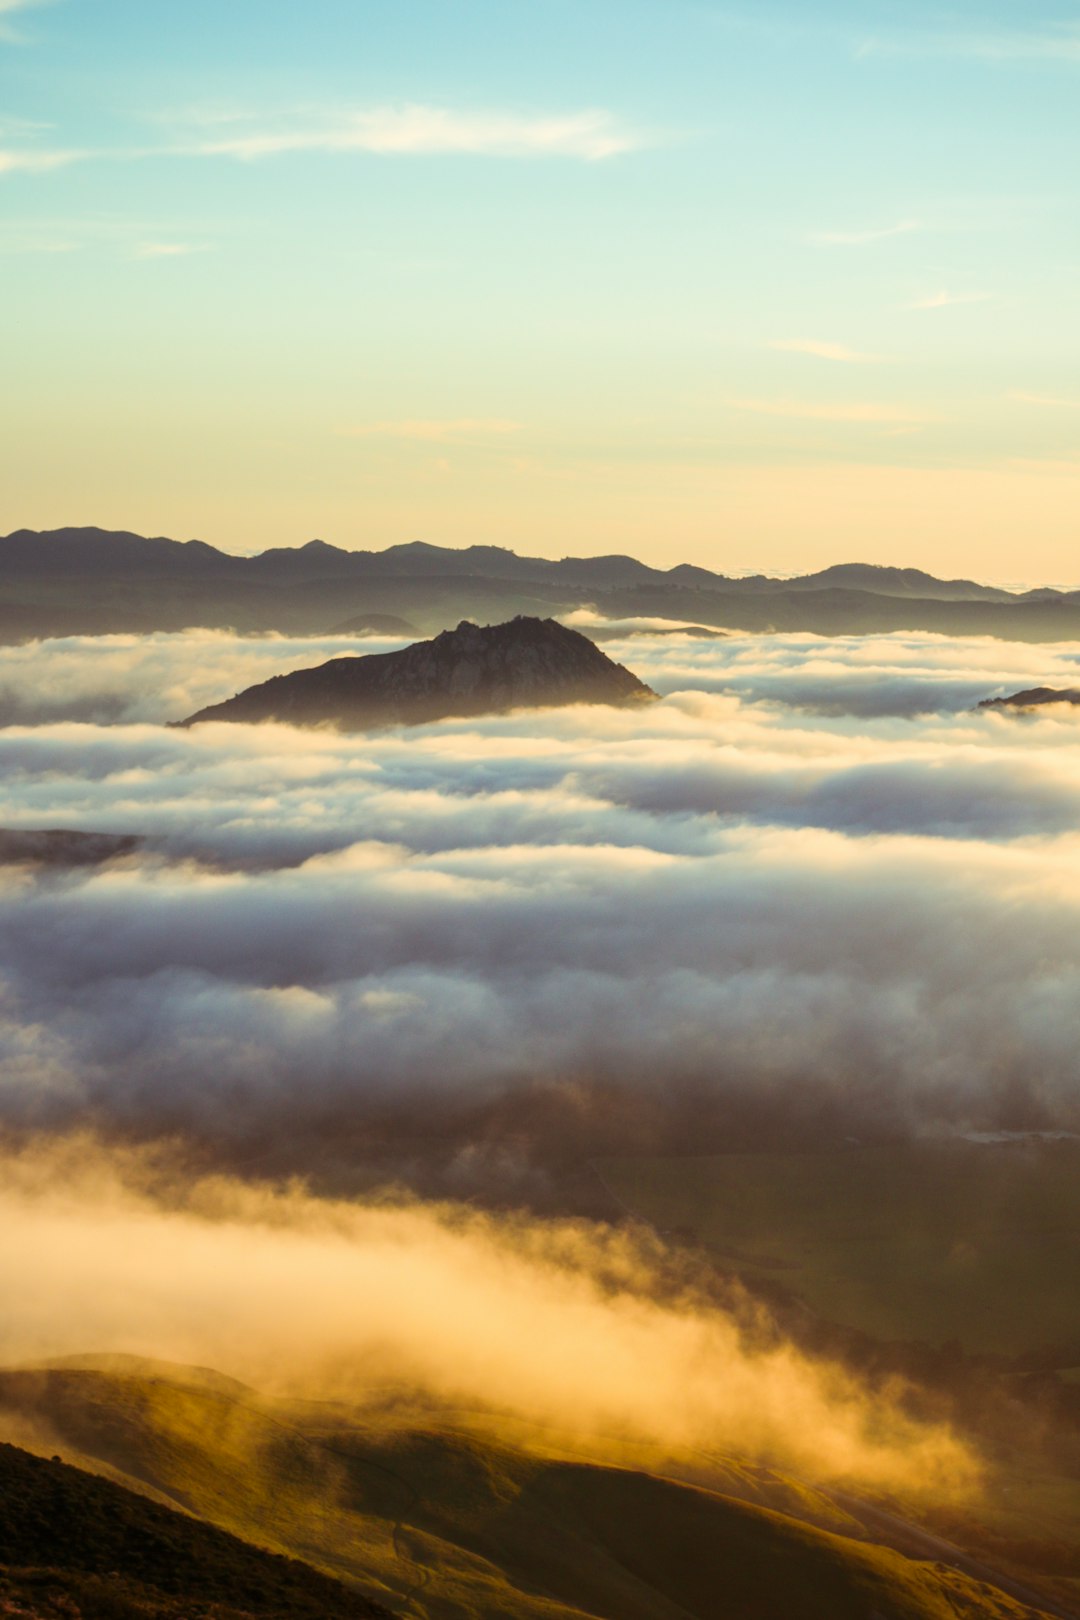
[
  {"x": 812, "y": 887},
  {"x": 811, "y": 894}
]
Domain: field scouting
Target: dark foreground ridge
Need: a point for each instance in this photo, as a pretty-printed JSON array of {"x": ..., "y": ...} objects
[
  {"x": 526, "y": 664},
  {"x": 1035, "y": 697},
  {"x": 74, "y": 1544}
]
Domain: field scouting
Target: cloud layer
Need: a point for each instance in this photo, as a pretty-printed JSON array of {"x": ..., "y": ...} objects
[{"x": 810, "y": 889}]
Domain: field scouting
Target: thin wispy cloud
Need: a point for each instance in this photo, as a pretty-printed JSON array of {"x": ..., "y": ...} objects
[
  {"x": 825, "y": 351},
  {"x": 454, "y": 430},
  {"x": 947, "y": 300},
  {"x": 591, "y": 135},
  {"x": 19, "y": 127},
  {"x": 28, "y": 162},
  {"x": 813, "y": 411},
  {"x": 1046, "y": 44},
  {"x": 8, "y": 8},
  {"x": 105, "y": 237},
  {"x": 860, "y": 238}
]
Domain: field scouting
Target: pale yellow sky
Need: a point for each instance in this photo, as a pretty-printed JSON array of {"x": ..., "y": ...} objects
[{"x": 1016, "y": 522}]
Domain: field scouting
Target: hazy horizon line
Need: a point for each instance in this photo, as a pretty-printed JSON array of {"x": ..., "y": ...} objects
[{"x": 742, "y": 571}]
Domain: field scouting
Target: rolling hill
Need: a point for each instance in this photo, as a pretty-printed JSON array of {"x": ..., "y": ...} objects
[
  {"x": 442, "y": 1524},
  {"x": 70, "y": 1540}
]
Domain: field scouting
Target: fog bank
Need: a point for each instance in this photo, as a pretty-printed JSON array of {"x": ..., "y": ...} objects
[{"x": 560, "y": 1324}]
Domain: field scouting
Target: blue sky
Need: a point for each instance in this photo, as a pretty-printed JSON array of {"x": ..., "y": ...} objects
[{"x": 758, "y": 286}]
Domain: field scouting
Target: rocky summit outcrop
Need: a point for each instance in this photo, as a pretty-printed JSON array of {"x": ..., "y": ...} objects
[
  {"x": 1036, "y": 697},
  {"x": 473, "y": 670}
]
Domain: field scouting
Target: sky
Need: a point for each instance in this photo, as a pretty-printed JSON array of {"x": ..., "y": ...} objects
[{"x": 760, "y": 287}]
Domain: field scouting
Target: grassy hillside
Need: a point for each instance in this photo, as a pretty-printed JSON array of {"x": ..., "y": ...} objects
[
  {"x": 445, "y": 1525},
  {"x": 973, "y": 1242},
  {"x": 66, "y": 1533}
]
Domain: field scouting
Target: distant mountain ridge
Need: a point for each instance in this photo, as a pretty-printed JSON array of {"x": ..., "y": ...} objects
[
  {"x": 89, "y": 581},
  {"x": 528, "y": 663},
  {"x": 75, "y": 550}
]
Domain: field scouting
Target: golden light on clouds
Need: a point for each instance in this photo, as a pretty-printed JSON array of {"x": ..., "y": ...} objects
[{"x": 562, "y": 1324}]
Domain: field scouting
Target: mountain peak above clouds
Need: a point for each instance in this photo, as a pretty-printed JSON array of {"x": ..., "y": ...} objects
[{"x": 473, "y": 670}]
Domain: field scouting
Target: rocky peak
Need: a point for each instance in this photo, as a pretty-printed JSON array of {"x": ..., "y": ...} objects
[{"x": 473, "y": 670}]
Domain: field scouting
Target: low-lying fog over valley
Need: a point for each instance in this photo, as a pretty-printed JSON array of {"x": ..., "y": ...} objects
[{"x": 661, "y": 1084}]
